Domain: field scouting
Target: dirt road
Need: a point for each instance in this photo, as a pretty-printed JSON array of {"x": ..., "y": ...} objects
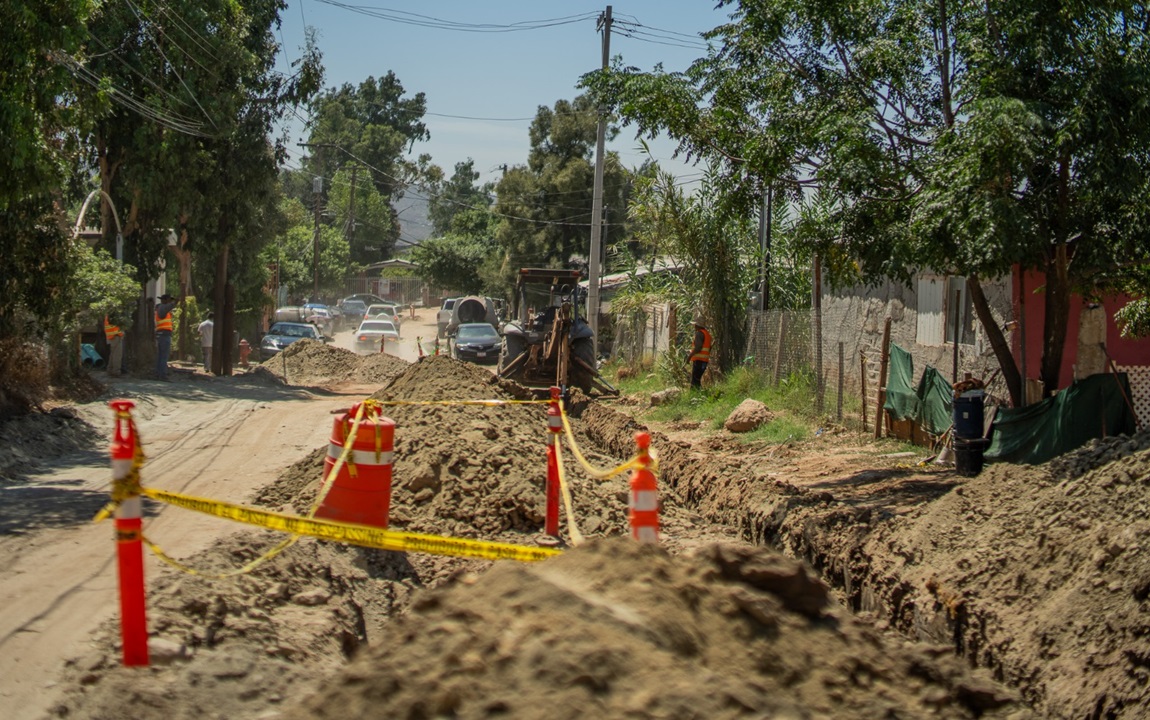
[{"x": 207, "y": 436}]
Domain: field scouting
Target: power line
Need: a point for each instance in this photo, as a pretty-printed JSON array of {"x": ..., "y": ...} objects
[{"x": 410, "y": 18}]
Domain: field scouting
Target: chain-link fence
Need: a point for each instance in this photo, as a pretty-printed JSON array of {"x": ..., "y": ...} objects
[{"x": 638, "y": 336}]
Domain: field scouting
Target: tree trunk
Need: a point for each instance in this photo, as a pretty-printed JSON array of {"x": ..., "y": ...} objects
[
  {"x": 229, "y": 327},
  {"x": 1057, "y": 300},
  {"x": 1010, "y": 373},
  {"x": 223, "y": 321}
]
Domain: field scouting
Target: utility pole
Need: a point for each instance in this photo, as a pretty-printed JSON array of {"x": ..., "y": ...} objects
[
  {"x": 597, "y": 198},
  {"x": 350, "y": 234},
  {"x": 317, "y": 191}
]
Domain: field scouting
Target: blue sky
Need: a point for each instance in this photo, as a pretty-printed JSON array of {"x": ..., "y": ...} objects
[{"x": 478, "y": 76}]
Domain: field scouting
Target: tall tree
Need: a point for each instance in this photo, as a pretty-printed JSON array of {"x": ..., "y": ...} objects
[
  {"x": 545, "y": 205},
  {"x": 959, "y": 137},
  {"x": 39, "y": 116},
  {"x": 193, "y": 101},
  {"x": 457, "y": 194}
]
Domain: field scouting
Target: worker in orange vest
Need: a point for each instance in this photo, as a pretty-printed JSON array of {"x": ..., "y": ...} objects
[
  {"x": 164, "y": 327},
  {"x": 700, "y": 351},
  {"x": 115, "y": 337}
]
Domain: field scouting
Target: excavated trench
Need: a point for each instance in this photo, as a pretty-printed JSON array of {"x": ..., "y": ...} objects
[
  {"x": 608, "y": 629},
  {"x": 1039, "y": 574}
]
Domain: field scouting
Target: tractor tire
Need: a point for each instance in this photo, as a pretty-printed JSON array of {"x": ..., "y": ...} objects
[
  {"x": 579, "y": 376},
  {"x": 511, "y": 347}
]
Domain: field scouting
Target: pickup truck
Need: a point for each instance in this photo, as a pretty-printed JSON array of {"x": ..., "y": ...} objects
[{"x": 443, "y": 317}]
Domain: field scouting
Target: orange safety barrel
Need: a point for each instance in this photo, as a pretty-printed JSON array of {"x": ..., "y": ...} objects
[{"x": 361, "y": 492}]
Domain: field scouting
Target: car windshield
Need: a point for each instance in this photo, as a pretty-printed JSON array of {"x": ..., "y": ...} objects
[
  {"x": 448, "y": 304},
  {"x": 297, "y": 331},
  {"x": 377, "y": 326},
  {"x": 380, "y": 310},
  {"x": 481, "y": 332}
]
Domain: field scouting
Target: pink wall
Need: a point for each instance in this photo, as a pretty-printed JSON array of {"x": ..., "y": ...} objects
[{"x": 1124, "y": 352}]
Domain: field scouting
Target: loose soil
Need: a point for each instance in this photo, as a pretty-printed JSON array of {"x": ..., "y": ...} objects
[{"x": 1039, "y": 576}]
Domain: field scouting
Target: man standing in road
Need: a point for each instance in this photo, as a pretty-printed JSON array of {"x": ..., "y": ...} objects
[
  {"x": 164, "y": 335},
  {"x": 700, "y": 352},
  {"x": 206, "y": 328}
]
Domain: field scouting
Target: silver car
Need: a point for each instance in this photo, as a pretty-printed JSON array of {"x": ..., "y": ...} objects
[{"x": 373, "y": 332}]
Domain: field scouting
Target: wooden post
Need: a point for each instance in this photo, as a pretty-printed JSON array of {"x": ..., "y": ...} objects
[
  {"x": 1022, "y": 330},
  {"x": 781, "y": 341},
  {"x": 839, "y": 412},
  {"x": 862, "y": 385},
  {"x": 820, "y": 385},
  {"x": 957, "y": 330},
  {"x": 883, "y": 360}
]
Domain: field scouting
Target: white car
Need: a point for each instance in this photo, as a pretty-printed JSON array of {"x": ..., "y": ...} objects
[
  {"x": 382, "y": 311},
  {"x": 372, "y": 333}
]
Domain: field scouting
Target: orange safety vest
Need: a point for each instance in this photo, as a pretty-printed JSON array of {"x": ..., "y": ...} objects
[
  {"x": 164, "y": 324},
  {"x": 111, "y": 332},
  {"x": 704, "y": 353}
]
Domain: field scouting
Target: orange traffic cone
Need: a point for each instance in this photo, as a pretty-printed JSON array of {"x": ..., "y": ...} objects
[{"x": 644, "y": 514}]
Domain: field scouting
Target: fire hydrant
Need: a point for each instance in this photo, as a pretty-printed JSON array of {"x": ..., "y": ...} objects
[{"x": 245, "y": 350}]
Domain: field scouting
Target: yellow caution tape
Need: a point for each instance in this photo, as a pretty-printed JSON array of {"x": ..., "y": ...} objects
[
  {"x": 485, "y": 403},
  {"x": 587, "y": 467},
  {"x": 361, "y": 535},
  {"x": 276, "y": 550},
  {"x": 129, "y": 485},
  {"x": 572, "y": 528}
]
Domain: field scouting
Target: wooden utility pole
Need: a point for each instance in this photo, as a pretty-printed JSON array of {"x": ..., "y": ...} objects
[
  {"x": 597, "y": 199},
  {"x": 882, "y": 368},
  {"x": 317, "y": 191},
  {"x": 350, "y": 231},
  {"x": 957, "y": 330},
  {"x": 817, "y": 302}
]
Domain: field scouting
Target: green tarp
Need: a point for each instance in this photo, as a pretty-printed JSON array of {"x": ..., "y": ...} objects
[
  {"x": 1091, "y": 408},
  {"x": 930, "y": 404}
]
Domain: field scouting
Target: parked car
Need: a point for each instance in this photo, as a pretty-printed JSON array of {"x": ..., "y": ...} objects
[
  {"x": 477, "y": 342},
  {"x": 372, "y": 332},
  {"x": 443, "y": 317},
  {"x": 384, "y": 312},
  {"x": 366, "y": 298},
  {"x": 283, "y": 334},
  {"x": 353, "y": 311}
]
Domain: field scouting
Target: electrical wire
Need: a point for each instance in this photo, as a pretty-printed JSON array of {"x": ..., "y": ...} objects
[{"x": 410, "y": 18}]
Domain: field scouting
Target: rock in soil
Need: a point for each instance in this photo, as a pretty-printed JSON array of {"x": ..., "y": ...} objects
[{"x": 749, "y": 415}]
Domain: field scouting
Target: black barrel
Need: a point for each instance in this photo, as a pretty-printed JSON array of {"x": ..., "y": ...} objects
[
  {"x": 968, "y": 415},
  {"x": 968, "y": 455}
]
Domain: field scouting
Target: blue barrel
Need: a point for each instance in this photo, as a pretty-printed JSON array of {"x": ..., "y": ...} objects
[{"x": 968, "y": 416}]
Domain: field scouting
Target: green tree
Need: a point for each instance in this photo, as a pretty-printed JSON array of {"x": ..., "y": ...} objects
[
  {"x": 193, "y": 97},
  {"x": 545, "y": 205},
  {"x": 451, "y": 261},
  {"x": 959, "y": 137},
  {"x": 459, "y": 194},
  {"x": 715, "y": 248},
  {"x": 294, "y": 251},
  {"x": 39, "y": 115},
  {"x": 368, "y": 223}
]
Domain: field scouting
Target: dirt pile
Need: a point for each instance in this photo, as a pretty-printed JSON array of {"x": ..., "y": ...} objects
[
  {"x": 1047, "y": 583},
  {"x": 1041, "y": 574},
  {"x": 1097, "y": 453},
  {"x": 240, "y": 647},
  {"x": 617, "y": 629},
  {"x": 310, "y": 362},
  {"x": 467, "y": 471},
  {"x": 31, "y": 440}
]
